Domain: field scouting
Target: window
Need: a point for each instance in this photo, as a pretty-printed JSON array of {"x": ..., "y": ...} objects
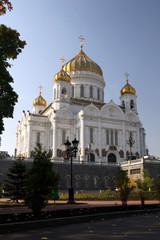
[
  {"x": 86, "y": 181},
  {"x": 77, "y": 181},
  {"x": 111, "y": 137},
  {"x": 107, "y": 137},
  {"x": 38, "y": 137},
  {"x": 132, "y": 104},
  {"x": 116, "y": 137},
  {"x": 64, "y": 92},
  {"x": 68, "y": 181},
  {"x": 135, "y": 171},
  {"x": 63, "y": 136},
  {"x": 54, "y": 94},
  {"x": 82, "y": 91},
  {"x": 95, "y": 182},
  {"x": 98, "y": 94},
  {"x": 106, "y": 182},
  {"x": 91, "y": 92},
  {"x": 72, "y": 91},
  {"x": 91, "y": 135},
  {"x": 123, "y": 104}
]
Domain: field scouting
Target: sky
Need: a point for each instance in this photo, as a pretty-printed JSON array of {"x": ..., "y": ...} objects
[{"x": 120, "y": 36}]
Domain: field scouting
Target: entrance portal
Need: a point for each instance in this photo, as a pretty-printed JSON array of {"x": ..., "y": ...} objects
[{"x": 112, "y": 158}]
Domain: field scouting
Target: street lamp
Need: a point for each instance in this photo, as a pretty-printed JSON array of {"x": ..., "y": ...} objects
[
  {"x": 72, "y": 152},
  {"x": 130, "y": 142}
]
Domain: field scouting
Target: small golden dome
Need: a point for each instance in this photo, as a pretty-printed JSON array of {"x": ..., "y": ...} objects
[
  {"x": 62, "y": 76},
  {"x": 82, "y": 63},
  {"x": 40, "y": 100},
  {"x": 127, "y": 89}
]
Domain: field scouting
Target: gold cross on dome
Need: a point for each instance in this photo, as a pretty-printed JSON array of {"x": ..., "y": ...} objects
[
  {"x": 63, "y": 60},
  {"x": 81, "y": 39},
  {"x": 40, "y": 87},
  {"x": 127, "y": 74}
]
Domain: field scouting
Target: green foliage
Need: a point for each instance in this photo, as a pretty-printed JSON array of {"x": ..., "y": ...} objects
[
  {"x": 40, "y": 180},
  {"x": 124, "y": 186},
  {"x": 157, "y": 188},
  {"x": 15, "y": 180},
  {"x": 144, "y": 185},
  {"x": 4, "y": 5},
  {"x": 10, "y": 47}
]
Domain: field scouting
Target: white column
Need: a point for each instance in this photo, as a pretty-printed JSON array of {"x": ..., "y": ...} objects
[
  {"x": 29, "y": 140},
  {"x": 124, "y": 139},
  {"x": 54, "y": 138},
  {"x": 99, "y": 138},
  {"x": 82, "y": 136}
]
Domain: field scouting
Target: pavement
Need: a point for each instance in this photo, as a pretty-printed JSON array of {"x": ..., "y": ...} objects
[
  {"x": 59, "y": 205},
  {"x": 62, "y": 205},
  {"x": 127, "y": 228}
]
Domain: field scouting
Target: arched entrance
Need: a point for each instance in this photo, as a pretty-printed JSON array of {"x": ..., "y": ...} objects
[
  {"x": 91, "y": 157},
  {"x": 112, "y": 158}
]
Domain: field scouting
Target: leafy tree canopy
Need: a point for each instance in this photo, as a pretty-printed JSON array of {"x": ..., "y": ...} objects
[
  {"x": 10, "y": 47},
  {"x": 4, "y": 5},
  {"x": 124, "y": 185}
]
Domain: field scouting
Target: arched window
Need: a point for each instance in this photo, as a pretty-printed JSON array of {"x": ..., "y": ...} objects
[
  {"x": 98, "y": 94},
  {"x": 86, "y": 181},
  {"x": 123, "y": 104},
  {"x": 91, "y": 157},
  {"x": 72, "y": 91},
  {"x": 95, "y": 181},
  {"x": 38, "y": 137},
  {"x": 64, "y": 92},
  {"x": 82, "y": 91},
  {"x": 116, "y": 137},
  {"x": 54, "y": 94},
  {"x": 68, "y": 181},
  {"x": 77, "y": 181},
  {"x": 112, "y": 137},
  {"x": 112, "y": 158},
  {"x": 91, "y": 92},
  {"x": 63, "y": 136},
  {"x": 132, "y": 104},
  {"x": 91, "y": 135},
  {"x": 106, "y": 182}
]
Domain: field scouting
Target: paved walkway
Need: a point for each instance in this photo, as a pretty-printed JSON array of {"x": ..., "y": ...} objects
[{"x": 63, "y": 205}]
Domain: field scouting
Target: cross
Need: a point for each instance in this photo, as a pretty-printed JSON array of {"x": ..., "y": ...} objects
[
  {"x": 40, "y": 87},
  {"x": 81, "y": 39},
  {"x": 63, "y": 60},
  {"x": 127, "y": 74}
]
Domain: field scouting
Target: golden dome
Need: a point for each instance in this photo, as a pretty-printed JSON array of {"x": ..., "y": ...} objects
[
  {"x": 40, "y": 100},
  {"x": 82, "y": 63},
  {"x": 127, "y": 89},
  {"x": 62, "y": 76}
]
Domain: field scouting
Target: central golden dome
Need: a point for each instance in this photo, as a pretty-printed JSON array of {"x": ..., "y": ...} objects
[{"x": 82, "y": 63}]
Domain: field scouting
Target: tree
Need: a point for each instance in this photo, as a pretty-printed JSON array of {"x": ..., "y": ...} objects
[
  {"x": 123, "y": 183},
  {"x": 10, "y": 47},
  {"x": 144, "y": 185},
  {"x": 15, "y": 180},
  {"x": 4, "y": 5},
  {"x": 41, "y": 181},
  {"x": 157, "y": 188}
]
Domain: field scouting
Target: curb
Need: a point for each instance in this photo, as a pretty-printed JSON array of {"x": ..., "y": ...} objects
[{"x": 19, "y": 226}]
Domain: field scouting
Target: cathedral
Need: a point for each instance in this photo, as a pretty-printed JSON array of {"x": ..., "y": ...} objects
[{"x": 107, "y": 132}]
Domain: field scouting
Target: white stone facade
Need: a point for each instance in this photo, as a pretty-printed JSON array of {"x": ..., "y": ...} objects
[{"x": 78, "y": 110}]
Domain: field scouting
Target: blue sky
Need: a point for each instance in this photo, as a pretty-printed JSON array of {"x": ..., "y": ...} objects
[{"x": 120, "y": 35}]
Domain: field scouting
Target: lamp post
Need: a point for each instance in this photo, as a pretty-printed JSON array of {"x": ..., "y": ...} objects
[
  {"x": 130, "y": 142},
  {"x": 72, "y": 152}
]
